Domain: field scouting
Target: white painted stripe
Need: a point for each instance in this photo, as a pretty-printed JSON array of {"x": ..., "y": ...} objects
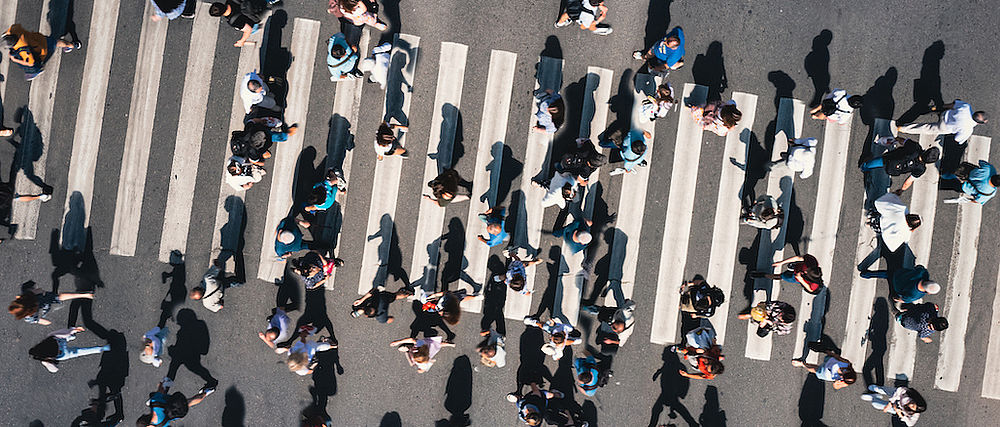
[
  {"x": 826, "y": 222},
  {"x": 791, "y": 113},
  {"x": 597, "y": 92},
  {"x": 489, "y": 155},
  {"x": 346, "y": 107},
  {"x": 536, "y": 163},
  {"x": 991, "y": 382},
  {"x": 951, "y": 352},
  {"x": 862, "y": 298},
  {"x": 8, "y": 13},
  {"x": 677, "y": 228},
  {"x": 190, "y": 127},
  {"x": 41, "y": 100},
  {"x": 726, "y": 231},
  {"x": 903, "y": 344},
  {"x": 138, "y": 135},
  {"x": 89, "y": 122},
  {"x": 447, "y": 101},
  {"x": 385, "y": 188},
  {"x": 230, "y": 211},
  {"x": 305, "y": 37}
]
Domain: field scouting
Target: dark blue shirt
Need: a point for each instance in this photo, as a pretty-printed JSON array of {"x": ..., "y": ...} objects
[
  {"x": 905, "y": 280},
  {"x": 297, "y": 245}
]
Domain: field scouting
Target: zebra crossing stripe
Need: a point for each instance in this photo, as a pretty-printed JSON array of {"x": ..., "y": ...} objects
[
  {"x": 489, "y": 156},
  {"x": 138, "y": 135},
  {"x": 725, "y": 238},
  {"x": 385, "y": 188},
  {"x": 8, "y": 13},
  {"x": 780, "y": 182},
  {"x": 89, "y": 120},
  {"x": 951, "y": 352},
  {"x": 36, "y": 125},
  {"x": 305, "y": 37},
  {"x": 190, "y": 128},
  {"x": 444, "y": 122},
  {"x": 991, "y": 383},
  {"x": 528, "y": 231},
  {"x": 680, "y": 206}
]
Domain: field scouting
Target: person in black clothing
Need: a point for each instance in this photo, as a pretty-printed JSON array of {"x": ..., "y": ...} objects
[
  {"x": 907, "y": 157},
  {"x": 581, "y": 161},
  {"x": 700, "y": 299},
  {"x": 376, "y": 302},
  {"x": 243, "y": 15}
]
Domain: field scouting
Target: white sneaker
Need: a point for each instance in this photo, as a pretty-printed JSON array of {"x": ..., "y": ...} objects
[
  {"x": 45, "y": 197},
  {"x": 602, "y": 31},
  {"x": 512, "y": 398},
  {"x": 559, "y": 24}
]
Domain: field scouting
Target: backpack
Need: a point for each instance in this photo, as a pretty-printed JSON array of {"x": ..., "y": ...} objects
[
  {"x": 175, "y": 407},
  {"x": 254, "y": 9},
  {"x": 603, "y": 376}
]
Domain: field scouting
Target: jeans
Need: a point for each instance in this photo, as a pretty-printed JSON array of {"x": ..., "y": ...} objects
[
  {"x": 879, "y": 400},
  {"x": 880, "y": 274},
  {"x": 66, "y": 352}
]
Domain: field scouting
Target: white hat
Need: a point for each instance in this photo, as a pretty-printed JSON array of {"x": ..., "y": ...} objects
[
  {"x": 931, "y": 287},
  {"x": 584, "y": 237}
]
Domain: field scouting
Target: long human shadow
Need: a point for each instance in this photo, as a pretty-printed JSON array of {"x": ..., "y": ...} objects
[
  {"x": 453, "y": 244},
  {"x": 709, "y": 70},
  {"x": 621, "y": 104},
  {"x": 553, "y": 49},
  {"x": 74, "y": 233},
  {"x": 795, "y": 225},
  {"x": 817, "y": 65},
  {"x": 712, "y": 414},
  {"x": 747, "y": 258},
  {"x": 426, "y": 323},
  {"x": 449, "y": 146},
  {"x": 339, "y": 141},
  {"x": 811, "y": 402},
  {"x": 275, "y": 59},
  {"x": 549, "y": 295},
  {"x": 602, "y": 267},
  {"x": 389, "y": 254},
  {"x": 60, "y": 19},
  {"x": 673, "y": 388},
  {"x": 306, "y": 174},
  {"x": 531, "y": 366},
  {"x": 315, "y": 312},
  {"x": 458, "y": 394},
  {"x": 657, "y": 21},
  {"x": 494, "y": 298},
  {"x": 177, "y": 292},
  {"x": 391, "y": 419},
  {"x": 564, "y": 142},
  {"x": 234, "y": 413},
  {"x": 927, "y": 87},
  {"x": 191, "y": 344},
  {"x": 28, "y": 150},
  {"x": 758, "y": 153},
  {"x": 324, "y": 377},
  {"x": 390, "y": 10},
  {"x": 232, "y": 238},
  {"x": 403, "y": 57},
  {"x": 873, "y": 369},
  {"x": 504, "y": 169},
  {"x": 518, "y": 217},
  {"x": 879, "y": 104},
  {"x": 113, "y": 369}
]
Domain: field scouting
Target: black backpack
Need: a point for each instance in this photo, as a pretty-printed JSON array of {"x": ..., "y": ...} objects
[
  {"x": 603, "y": 376},
  {"x": 254, "y": 9}
]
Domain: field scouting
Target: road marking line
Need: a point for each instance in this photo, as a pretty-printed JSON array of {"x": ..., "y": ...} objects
[
  {"x": 991, "y": 382},
  {"x": 385, "y": 188},
  {"x": 8, "y": 14},
  {"x": 89, "y": 122},
  {"x": 305, "y": 37},
  {"x": 190, "y": 130}
]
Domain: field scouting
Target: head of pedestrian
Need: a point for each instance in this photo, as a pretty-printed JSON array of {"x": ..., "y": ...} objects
[
  {"x": 664, "y": 93},
  {"x": 286, "y": 237},
  {"x": 567, "y": 191},
  {"x": 618, "y": 326},
  {"x": 585, "y": 377},
  {"x": 486, "y": 351},
  {"x": 316, "y": 196},
  {"x": 493, "y": 228},
  {"x": 672, "y": 41},
  {"x": 930, "y": 155},
  {"x": 730, "y": 115},
  {"x": 219, "y": 9},
  {"x": 197, "y": 293},
  {"x": 557, "y": 109},
  {"x": 517, "y": 282},
  {"x": 929, "y": 286},
  {"x": 847, "y": 377},
  {"x": 255, "y": 86},
  {"x": 856, "y": 101},
  {"x": 452, "y": 311},
  {"x": 939, "y": 323},
  {"x": 331, "y": 176},
  {"x": 582, "y": 237},
  {"x": 995, "y": 180},
  {"x": 297, "y": 361},
  {"x": 337, "y": 51},
  {"x": 272, "y": 334},
  {"x": 532, "y": 417},
  {"x": 981, "y": 117},
  {"x": 913, "y": 221},
  {"x": 558, "y": 338},
  {"x": 917, "y": 403},
  {"x": 24, "y": 305},
  {"x": 420, "y": 354},
  {"x": 234, "y": 168},
  {"x": 638, "y": 147}
]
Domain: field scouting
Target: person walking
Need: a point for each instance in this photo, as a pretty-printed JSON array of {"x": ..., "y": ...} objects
[
  {"x": 420, "y": 353},
  {"x": 799, "y": 269},
  {"x": 314, "y": 268},
  {"x": 245, "y": 16},
  {"x": 255, "y": 92},
  {"x": 34, "y": 304},
  {"x": 55, "y": 348},
  {"x": 386, "y": 141},
  {"x": 702, "y": 352},
  {"x": 495, "y": 219},
  {"x": 172, "y": 9},
  {"x": 576, "y": 235},
  {"x": 448, "y": 187},
  {"x": 30, "y": 50},
  {"x": 153, "y": 343},
  {"x": 615, "y": 325},
  {"x": 213, "y": 286},
  {"x": 532, "y": 407},
  {"x": 341, "y": 58},
  {"x": 551, "y": 111},
  {"x": 589, "y": 14},
  {"x": 279, "y": 328},
  {"x": 517, "y": 272},
  {"x": 956, "y": 119},
  {"x": 375, "y": 303},
  {"x": 771, "y": 316},
  {"x": 288, "y": 239},
  {"x": 922, "y": 318},
  {"x": 632, "y": 150},
  {"x": 165, "y": 407},
  {"x": 491, "y": 349},
  {"x": 447, "y": 304},
  {"x": 905, "y": 156},
  {"x": 978, "y": 182},
  {"x": 699, "y": 299},
  {"x": 764, "y": 213},
  {"x": 837, "y": 106},
  {"x": 834, "y": 369},
  {"x": 591, "y": 374},
  {"x": 561, "y": 189},
  {"x": 243, "y": 174},
  {"x": 908, "y": 284},
  {"x": 665, "y": 55},
  {"x": 356, "y": 12},
  {"x": 893, "y": 221},
  {"x": 560, "y": 335},
  {"x": 658, "y": 105},
  {"x": 302, "y": 354},
  {"x": 903, "y": 402},
  {"x": 718, "y": 117},
  {"x": 800, "y": 157},
  {"x": 323, "y": 196}
]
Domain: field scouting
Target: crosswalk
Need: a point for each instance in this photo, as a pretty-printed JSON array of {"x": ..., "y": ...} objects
[{"x": 673, "y": 265}]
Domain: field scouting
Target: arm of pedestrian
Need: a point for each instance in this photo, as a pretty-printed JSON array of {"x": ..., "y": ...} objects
[
  {"x": 247, "y": 31},
  {"x": 926, "y": 339},
  {"x": 402, "y": 341}
]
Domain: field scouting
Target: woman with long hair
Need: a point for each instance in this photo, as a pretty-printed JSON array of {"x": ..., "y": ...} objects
[{"x": 55, "y": 348}]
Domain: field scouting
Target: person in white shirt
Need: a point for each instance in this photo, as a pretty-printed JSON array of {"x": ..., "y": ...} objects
[
  {"x": 491, "y": 350},
  {"x": 562, "y": 188},
  {"x": 302, "y": 355},
  {"x": 895, "y": 222},
  {"x": 254, "y": 91},
  {"x": 560, "y": 335},
  {"x": 279, "y": 328},
  {"x": 837, "y": 106},
  {"x": 956, "y": 118},
  {"x": 420, "y": 353},
  {"x": 800, "y": 157}
]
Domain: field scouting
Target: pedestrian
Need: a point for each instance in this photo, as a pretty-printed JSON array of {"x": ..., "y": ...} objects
[
  {"x": 516, "y": 272},
  {"x": 581, "y": 160},
  {"x": 765, "y": 213},
  {"x": 254, "y": 91},
  {"x": 702, "y": 352},
  {"x": 658, "y": 105},
  {"x": 665, "y": 55},
  {"x": 956, "y": 119},
  {"x": 561, "y": 189},
  {"x": 420, "y": 353},
  {"x": 302, "y": 354},
  {"x": 153, "y": 343},
  {"x": 375, "y": 303},
  {"x": 322, "y": 196},
  {"x": 341, "y": 58},
  {"x": 613, "y": 324},
  {"x": 377, "y": 65},
  {"x": 922, "y": 318},
  {"x": 551, "y": 111},
  {"x": 834, "y": 369},
  {"x": 576, "y": 235},
  {"x": 171, "y": 9},
  {"x": 776, "y": 316},
  {"x": 903, "y": 402},
  {"x": 591, "y": 374},
  {"x": 447, "y": 304},
  {"x": 906, "y": 158},
  {"x": 699, "y": 299},
  {"x": 803, "y": 270},
  {"x": 34, "y": 304},
  {"x": 837, "y": 106},
  {"x": 356, "y": 12},
  {"x": 242, "y": 174},
  {"x": 632, "y": 149},
  {"x": 717, "y": 116},
  {"x": 164, "y": 407},
  {"x": 31, "y": 50},
  {"x": 908, "y": 284},
  {"x": 589, "y": 14},
  {"x": 978, "y": 183},
  {"x": 288, "y": 239},
  {"x": 893, "y": 221},
  {"x": 560, "y": 335},
  {"x": 213, "y": 286},
  {"x": 495, "y": 219},
  {"x": 491, "y": 349},
  {"x": 532, "y": 408},
  {"x": 314, "y": 268},
  {"x": 800, "y": 157},
  {"x": 279, "y": 328},
  {"x": 243, "y": 15},
  {"x": 386, "y": 141},
  {"x": 448, "y": 187},
  {"x": 55, "y": 348}
]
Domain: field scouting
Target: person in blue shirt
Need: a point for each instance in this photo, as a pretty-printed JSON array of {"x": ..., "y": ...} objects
[
  {"x": 632, "y": 150},
  {"x": 665, "y": 55},
  {"x": 909, "y": 284},
  {"x": 288, "y": 239},
  {"x": 162, "y": 405},
  {"x": 979, "y": 183},
  {"x": 575, "y": 235},
  {"x": 587, "y": 374},
  {"x": 495, "y": 219},
  {"x": 322, "y": 196},
  {"x": 341, "y": 58}
]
